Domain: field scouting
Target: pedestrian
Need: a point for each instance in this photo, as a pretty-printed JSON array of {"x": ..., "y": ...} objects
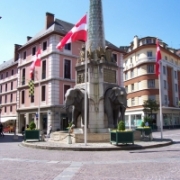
[
  {"x": 23, "y": 129},
  {"x": 49, "y": 130},
  {"x": 1, "y": 129}
]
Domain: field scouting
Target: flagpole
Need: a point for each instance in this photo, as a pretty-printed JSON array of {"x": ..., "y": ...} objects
[
  {"x": 160, "y": 100},
  {"x": 158, "y": 73},
  {"x": 39, "y": 115},
  {"x": 85, "y": 94}
]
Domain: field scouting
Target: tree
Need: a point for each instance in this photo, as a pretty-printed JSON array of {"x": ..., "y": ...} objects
[{"x": 150, "y": 105}]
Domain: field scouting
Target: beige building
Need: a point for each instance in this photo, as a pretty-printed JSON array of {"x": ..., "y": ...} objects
[{"x": 142, "y": 84}]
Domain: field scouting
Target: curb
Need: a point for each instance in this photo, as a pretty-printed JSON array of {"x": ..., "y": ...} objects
[{"x": 113, "y": 148}]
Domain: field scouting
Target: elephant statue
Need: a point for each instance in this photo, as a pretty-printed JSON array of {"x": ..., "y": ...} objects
[
  {"x": 115, "y": 102},
  {"x": 75, "y": 97}
]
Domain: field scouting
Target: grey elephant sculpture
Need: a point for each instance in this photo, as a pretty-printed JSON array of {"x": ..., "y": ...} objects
[
  {"x": 115, "y": 102},
  {"x": 75, "y": 97}
]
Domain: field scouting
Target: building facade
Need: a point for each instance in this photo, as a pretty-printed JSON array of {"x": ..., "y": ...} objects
[
  {"x": 142, "y": 84},
  {"x": 51, "y": 80}
]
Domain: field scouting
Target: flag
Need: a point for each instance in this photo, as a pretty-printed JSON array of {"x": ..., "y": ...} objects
[
  {"x": 158, "y": 57},
  {"x": 36, "y": 62},
  {"x": 78, "y": 32}
]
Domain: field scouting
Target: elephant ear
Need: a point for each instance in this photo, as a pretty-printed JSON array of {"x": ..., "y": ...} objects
[
  {"x": 114, "y": 94},
  {"x": 78, "y": 95}
]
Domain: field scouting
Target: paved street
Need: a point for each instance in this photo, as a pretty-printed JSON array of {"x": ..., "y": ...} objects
[{"x": 18, "y": 162}]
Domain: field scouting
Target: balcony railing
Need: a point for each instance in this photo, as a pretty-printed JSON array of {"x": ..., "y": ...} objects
[{"x": 147, "y": 59}]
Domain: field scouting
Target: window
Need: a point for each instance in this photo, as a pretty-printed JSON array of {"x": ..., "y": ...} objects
[
  {"x": 126, "y": 89},
  {"x": 115, "y": 57},
  {"x": 11, "y": 98},
  {"x": 6, "y": 74},
  {"x": 139, "y": 85},
  {"x": 150, "y": 68},
  {"x": 175, "y": 74},
  {"x": 44, "y": 70},
  {"x": 12, "y": 85},
  {"x": 132, "y": 73},
  {"x": 126, "y": 76},
  {"x": 44, "y": 46},
  {"x": 10, "y": 108},
  {"x": 166, "y": 58},
  {"x": 24, "y": 55},
  {"x": 132, "y": 101},
  {"x": 177, "y": 101},
  {"x": 5, "y": 98},
  {"x": 151, "y": 83},
  {"x": 66, "y": 87},
  {"x": 22, "y": 97},
  {"x": 32, "y": 99},
  {"x": 132, "y": 87},
  {"x": 1, "y": 76},
  {"x": 165, "y": 100},
  {"x": 23, "y": 76},
  {"x": 43, "y": 96},
  {"x": 33, "y": 51},
  {"x": 6, "y": 87},
  {"x": 176, "y": 88},
  {"x": 165, "y": 84},
  {"x": 151, "y": 97},
  {"x": 12, "y": 72},
  {"x": 164, "y": 70},
  {"x": 67, "y": 69},
  {"x": 149, "y": 54},
  {"x": 148, "y": 41},
  {"x": 0, "y": 88},
  {"x": 68, "y": 46},
  {"x": 131, "y": 60},
  {"x": 5, "y": 109},
  {"x": 139, "y": 100}
]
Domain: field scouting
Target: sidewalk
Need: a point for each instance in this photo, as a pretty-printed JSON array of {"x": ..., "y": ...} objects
[{"x": 50, "y": 145}]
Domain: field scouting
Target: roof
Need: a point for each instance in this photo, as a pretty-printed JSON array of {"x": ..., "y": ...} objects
[
  {"x": 7, "y": 64},
  {"x": 62, "y": 27}
]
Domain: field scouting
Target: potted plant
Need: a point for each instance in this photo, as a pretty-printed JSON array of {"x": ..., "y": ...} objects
[
  {"x": 145, "y": 128},
  {"x": 32, "y": 133},
  {"x": 121, "y": 135}
]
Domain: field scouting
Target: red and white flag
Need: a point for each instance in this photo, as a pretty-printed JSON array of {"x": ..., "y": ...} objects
[
  {"x": 78, "y": 32},
  {"x": 36, "y": 62},
  {"x": 158, "y": 57}
]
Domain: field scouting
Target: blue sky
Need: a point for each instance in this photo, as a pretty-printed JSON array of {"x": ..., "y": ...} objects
[{"x": 122, "y": 20}]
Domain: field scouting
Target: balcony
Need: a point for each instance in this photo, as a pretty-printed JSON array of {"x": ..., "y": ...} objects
[{"x": 145, "y": 60}]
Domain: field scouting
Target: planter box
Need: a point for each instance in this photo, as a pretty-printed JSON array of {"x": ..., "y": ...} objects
[
  {"x": 145, "y": 132},
  {"x": 122, "y": 137},
  {"x": 32, "y": 135}
]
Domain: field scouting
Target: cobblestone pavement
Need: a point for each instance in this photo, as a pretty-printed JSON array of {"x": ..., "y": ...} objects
[{"x": 18, "y": 162}]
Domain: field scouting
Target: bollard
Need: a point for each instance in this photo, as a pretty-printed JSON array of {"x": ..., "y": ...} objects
[{"x": 69, "y": 139}]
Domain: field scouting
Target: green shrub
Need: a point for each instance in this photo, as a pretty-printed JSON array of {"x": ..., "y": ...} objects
[
  {"x": 121, "y": 126},
  {"x": 32, "y": 125},
  {"x": 142, "y": 124}
]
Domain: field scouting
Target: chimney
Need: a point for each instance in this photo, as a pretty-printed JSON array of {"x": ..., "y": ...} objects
[
  {"x": 16, "y": 54},
  {"x": 28, "y": 38},
  {"x": 135, "y": 42},
  {"x": 49, "y": 19}
]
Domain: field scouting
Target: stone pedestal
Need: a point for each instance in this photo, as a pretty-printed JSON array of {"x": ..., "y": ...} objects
[{"x": 62, "y": 137}]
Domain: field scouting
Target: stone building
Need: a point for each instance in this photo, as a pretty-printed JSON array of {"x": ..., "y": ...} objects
[
  {"x": 141, "y": 83},
  {"x": 51, "y": 80}
]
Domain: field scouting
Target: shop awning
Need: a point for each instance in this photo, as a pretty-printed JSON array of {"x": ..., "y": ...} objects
[{"x": 4, "y": 119}]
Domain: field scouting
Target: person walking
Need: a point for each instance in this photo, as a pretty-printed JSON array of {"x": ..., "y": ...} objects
[{"x": 1, "y": 129}]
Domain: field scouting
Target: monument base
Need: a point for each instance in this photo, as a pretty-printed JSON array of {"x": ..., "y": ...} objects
[{"x": 62, "y": 137}]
